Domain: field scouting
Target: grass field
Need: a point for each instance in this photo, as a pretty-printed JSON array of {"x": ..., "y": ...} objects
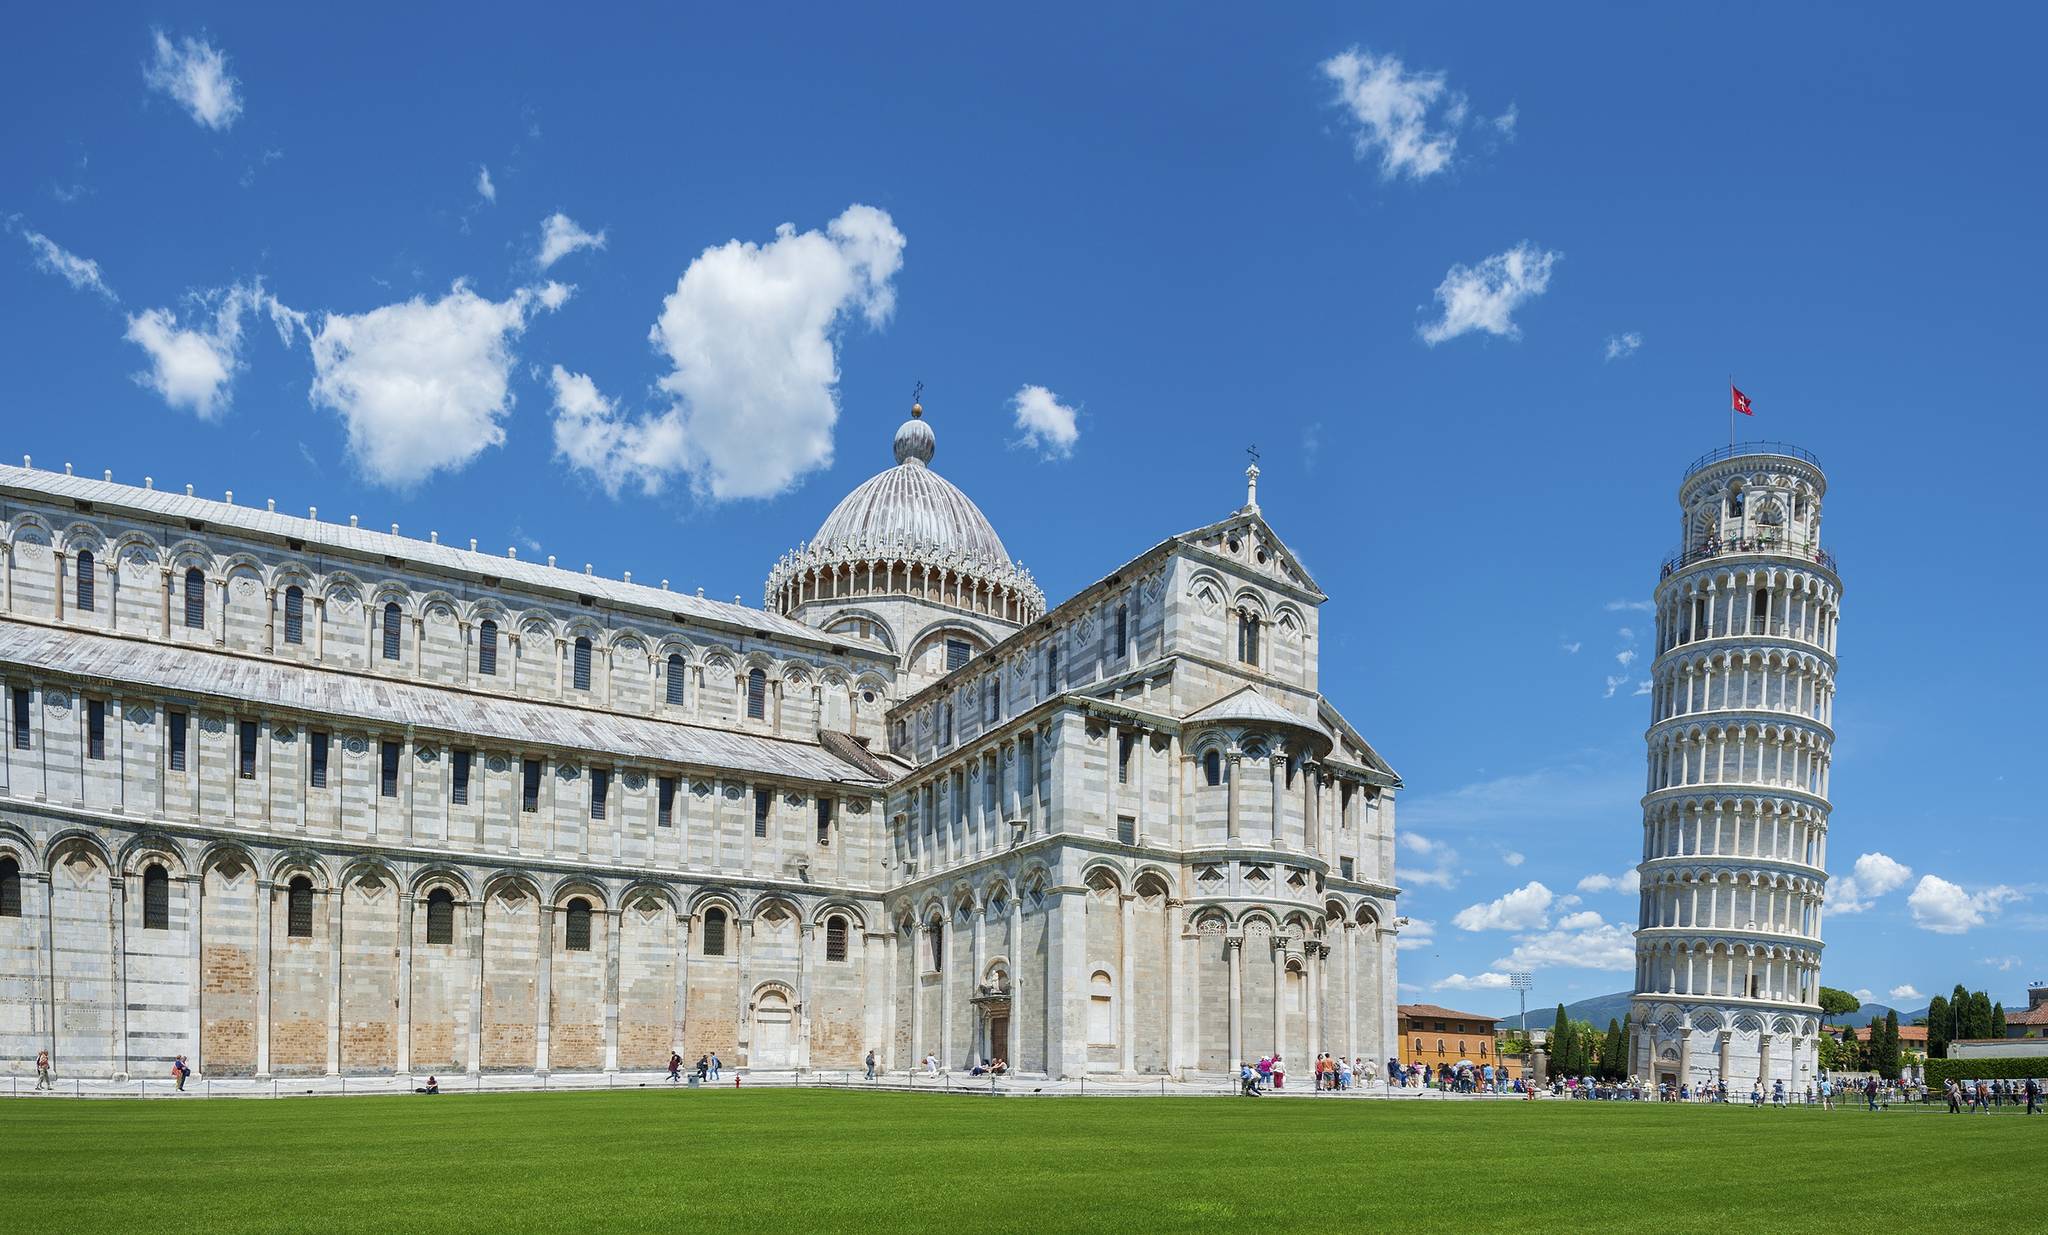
[{"x": 769, "y": 1160}]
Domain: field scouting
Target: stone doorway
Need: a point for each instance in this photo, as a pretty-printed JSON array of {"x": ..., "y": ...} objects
[{"x": 771, "y": 1041}]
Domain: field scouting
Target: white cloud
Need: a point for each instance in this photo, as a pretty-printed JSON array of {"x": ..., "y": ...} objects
[
  {"x": 82, "y": 273},
  {"x": 1626, "y": 632},
  {"x": 752, "y": 331},
  {"x": 1572, "y": 649},
  {"x": 1628, "y": 881},
  {"x": 1047, "y": 424},
  {"x": 1622, "y": 346},
  {"x": 1643, "y": 687},
  {"x": 1591, "y": 945},
  {"x": 591, "y": 435},
  {"x": 560, "y": 236},
  {"x": 1947, "y": 909},
  {"x": 192, "y": 366},
  {"x": 1906, "y": 992},
  {"x": 1419, "y": 933},
  {"x": 422, "y": 386},
  {"x": 1637, "y": 606},
  {"x": 1409, "y": 120},
  {"x": 1442, "y": 875},
  {"x": 195, "y": 73},
  {"x": 1523, "y": 909},
  {"x": 1873, "y": 875},
  {"x": 1864, "y": 993},
  {"x": 1477, "y": 982},
  {"x": 1416, "y": 842},
  {"x": 1512, "y": 858},
  {"x": 1485, "y": 297},
  {"x": 485, "y": 187},
  {"x": 1584, "y": 919},
  {"x": 1614, "y": 682},
  {"x": 1625, "y": 657}
]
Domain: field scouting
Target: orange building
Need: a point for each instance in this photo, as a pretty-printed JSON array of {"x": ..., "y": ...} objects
[{"x": 1441, "y": 1037}]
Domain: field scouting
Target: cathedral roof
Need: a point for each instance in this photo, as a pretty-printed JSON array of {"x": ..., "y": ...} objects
[
  {"x": 910, "y": 513},
  {"x": 1247, "y": 705}
]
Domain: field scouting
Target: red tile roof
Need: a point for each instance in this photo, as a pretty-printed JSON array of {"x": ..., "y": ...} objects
[{"x": 1432, "y": 1010}]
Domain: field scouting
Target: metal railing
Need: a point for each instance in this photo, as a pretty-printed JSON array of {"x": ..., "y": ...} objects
[
  {"x": 1736, "y": 545},
  {"x": 1741, "y": 449}
]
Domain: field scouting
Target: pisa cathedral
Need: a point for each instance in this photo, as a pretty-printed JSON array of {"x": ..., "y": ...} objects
[
  {"x": 1735, "y": 812},
  {"x": 289, "y": 796}
]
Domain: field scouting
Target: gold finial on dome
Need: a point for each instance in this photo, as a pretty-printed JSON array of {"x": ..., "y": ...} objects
[
  {"x": 917, "y": 402},
  {"x": 916, "y": 410}
]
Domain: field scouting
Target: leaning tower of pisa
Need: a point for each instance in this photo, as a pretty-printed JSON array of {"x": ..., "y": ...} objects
[{"x": 1735, "y": 808}]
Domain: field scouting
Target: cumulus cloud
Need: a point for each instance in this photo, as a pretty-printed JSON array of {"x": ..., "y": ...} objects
[
  {"x": 1628, "y": 881},
  {"x": 560, "y": 236},
  {"x": 82, "y": 273},
  {"x": 1419, "y": 933},
  {"x": 1477, "y": 982},
  {"x": 1592, "y": 944},
  {"x": 592, "y": 436},
  {"x": 1873, "y": 875},
  {"x": 1947, "y": 909},
  {"x": 192, "y": 365},
  {"x": 752, "y": 333},
  {"x": 1614, "y": 682},
  {"x": 1864, "y": 993},
  {"x": 1485, "y": 296},
  {"x": 1442, "y": 873},
  {"x": 1637, "y": 606},
  {"x": 1625, "y": 657},
  {"x": 1523, "y": 909},
  {"x": 421, "y": 385},
  {"x": 1622, "y": 346},
  {"x": 1906, "y": 991},
  {"x": 1047, "y": 425},
  {"x": 195, "y": 73},
  {"x": 485, "y": 187},
  {"x": 1512, "y": 858},
  {"x": 1416, "y": 842},
  {"x": 1410, "y": 121}
]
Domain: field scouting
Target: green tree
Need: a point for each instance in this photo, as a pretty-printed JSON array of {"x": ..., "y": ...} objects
[
  {"x": 1835, "y": 1003},
  {"x": 1939, "y": 1024},
  {"x": 1887, "y": 1062},
  {"x": 1958, "y": 1012},
  {"x": 1614, "y": 1052},
  {"x": 1998, "y": 1020},
  {"x": 1978, "y": 1023},
  {"x": 1849, "y": 1053},
  {"x": 1560, "y": 1041}
]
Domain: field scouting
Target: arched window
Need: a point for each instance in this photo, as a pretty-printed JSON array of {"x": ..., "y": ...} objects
[
  {"x": 1052, "y": 668},
  {"x": 1123, "y": 630},
  {"x": 1735, "y": 499},
  {"x": 675, "y": 679},
  {"x": 295, "y": 614},
  {"x": 757, "y": 694},
  {"x": 582, "y": 674},
  {"x": 1760, "y": 611},
  {"x": 298, "y": 918},
  {"x": 1101, "y": 1010},
  {"x": 1212, "y": 768},
  {"x": 995, "y": 699},
  {"x": 835, "y": 938},
  {"x": 578, "y": 926},
  {"x": 1247, "y": 636},
  {"x": 390, "y": 630},
  {"x": 937, "y": 931},
  {"x": 714, "y": 932},
  {"x": 156, "y": 898},
  {"x": 85, "y": 580},
  {"x": 195, "y": 598},
  {"x": 10, "y": 888},
  {"x": 440, "y": 916},
  {"x": 487, "y": 648}
]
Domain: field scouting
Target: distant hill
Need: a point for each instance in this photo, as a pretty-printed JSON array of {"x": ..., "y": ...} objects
[{"x": 1598, "y": 1011}]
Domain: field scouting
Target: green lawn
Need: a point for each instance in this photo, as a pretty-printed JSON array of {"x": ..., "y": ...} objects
[{"x": 772, "y": 1159}]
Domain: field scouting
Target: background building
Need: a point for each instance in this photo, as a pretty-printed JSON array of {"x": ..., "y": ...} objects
[
  {"x": 1735, "y": 812},
  {"x": 1442, "y": 1037},
  {"x": 290, "y": 796}
]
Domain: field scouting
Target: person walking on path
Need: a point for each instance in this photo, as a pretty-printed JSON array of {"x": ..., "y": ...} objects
[
  {"x": 179, "y": 1071},
  {"x": 2032, "y": 1090},
  {"x": 871, "y": 1063},
  {"x": 675, "y": 1067},
  {"x": 43, "y": 1070},
  {"x": 716, "y": 1064}
]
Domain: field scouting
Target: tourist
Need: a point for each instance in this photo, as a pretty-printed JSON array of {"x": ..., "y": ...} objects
[
  {"x": 675, "y": 1067},
  {"x": 1002, "y": 1066},
  {"x": 1279, "y": 1073},
  {"x": 871, "y": 1063},
  {"x": 179, "y": 1071},
  {"x": 1247, "y": 1081},
  {"x": 1265, "y": 1067},
  {"x": 931, "y": 1064},
  {"x": 1343, "y": 1076},
  {"x": 2032, "y": 1088},
  {"x": 43, "y": 1070},
  {"x": 703, "y": 1067},
  {"x": 716, "y": 1065},
  {"x": 1756, "y": 1095},
  {"x": 1983, "y": 1098},
  {"x": 432, "y": 1086},
  {"x": 1778, "y": 1092}
]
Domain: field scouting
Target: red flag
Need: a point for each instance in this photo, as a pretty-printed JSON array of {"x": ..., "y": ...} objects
[{"x": 1741, "y": 401}]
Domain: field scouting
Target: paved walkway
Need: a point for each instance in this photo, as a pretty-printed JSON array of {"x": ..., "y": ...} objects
[{"x": 522, "y": 1082}]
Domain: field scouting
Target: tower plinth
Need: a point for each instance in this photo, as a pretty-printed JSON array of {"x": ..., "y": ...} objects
[{"x": 1735, "y": 809}]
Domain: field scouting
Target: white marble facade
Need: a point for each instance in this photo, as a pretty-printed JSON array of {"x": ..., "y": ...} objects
[
  {"x": 1735, "y": 810},
  {"x": 291, "y": 796}
]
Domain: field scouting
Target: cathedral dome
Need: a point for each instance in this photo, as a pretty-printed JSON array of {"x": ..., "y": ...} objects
[{"x": 910, "y": 516}]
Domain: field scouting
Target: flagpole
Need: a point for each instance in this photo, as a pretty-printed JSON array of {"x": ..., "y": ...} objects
[{"x": 1731, "y": 411}]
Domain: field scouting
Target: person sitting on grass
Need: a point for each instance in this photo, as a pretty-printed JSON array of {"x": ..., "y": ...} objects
[{"x": 431, "y": 1087}]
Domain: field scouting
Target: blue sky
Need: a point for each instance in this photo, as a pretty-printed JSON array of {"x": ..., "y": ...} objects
[{"x": 1471, "y": 278}]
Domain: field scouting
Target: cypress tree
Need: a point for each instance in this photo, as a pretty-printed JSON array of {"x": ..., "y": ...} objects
[
  {"x": 1888, "y": 1063},
  {"x": 1979, "y": 1023},
  {"x": 1998, "y": 1020},
  {"x": 1939, "y": 1023},
  {"x": 1614, "y": 1052},
  {"x": 1958, "y": 1012}
]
